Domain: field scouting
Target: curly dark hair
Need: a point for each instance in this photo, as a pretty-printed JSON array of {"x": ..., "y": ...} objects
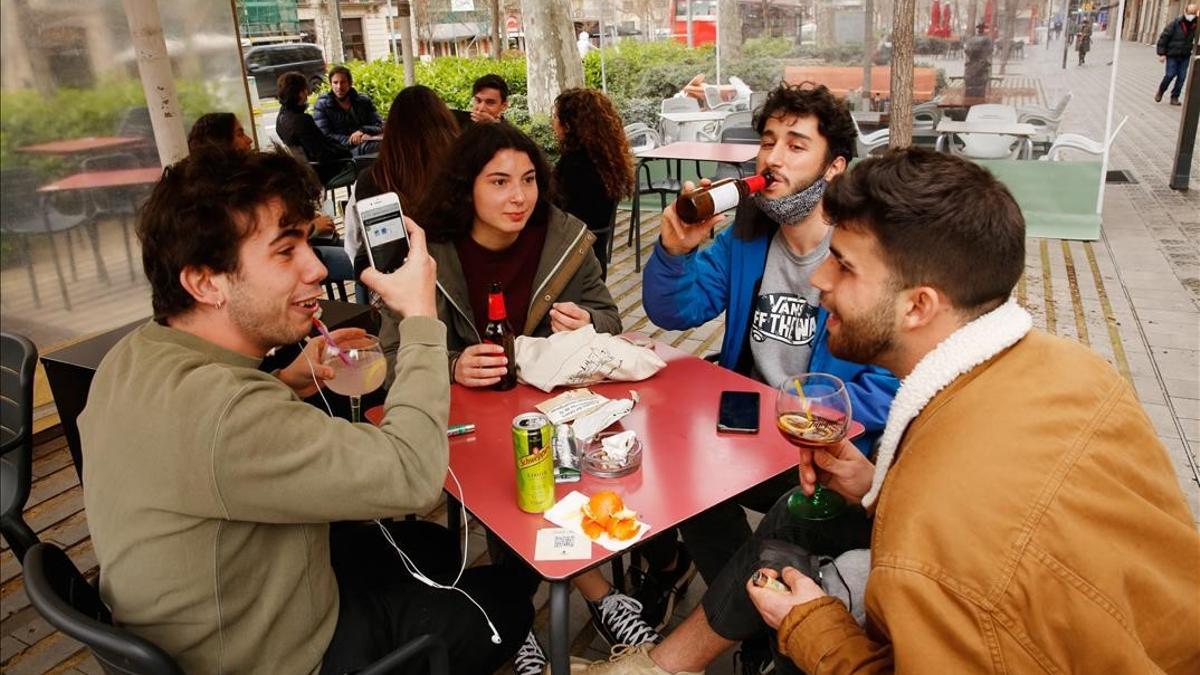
[
  {"x": 809, "y": 98},
  {"x": 941, "y": 221},
  {"x": 448, "y": 209},
  {"x": 202, "y": 209},
  {"x": 417, "y": 137},
  {"x": 288, "y": 87},
  {"x": 591, "y": 123}
]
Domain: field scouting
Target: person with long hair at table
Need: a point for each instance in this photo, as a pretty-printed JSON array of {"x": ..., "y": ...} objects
[{"x": 596, "y": 167}]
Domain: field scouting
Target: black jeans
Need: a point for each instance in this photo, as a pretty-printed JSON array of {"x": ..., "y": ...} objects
[
  {"x": 382, "y": 606},
  {"x": 781, "y": 539},
  {"x": 714, "y": 535}
]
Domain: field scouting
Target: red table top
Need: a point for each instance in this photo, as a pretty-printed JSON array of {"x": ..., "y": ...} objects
[
  {"x": 687, "y": 466},
  {"x": 75, "y": 145},
  {"x": 92, "y": 180},
  {"x": 734, "y": 153}
]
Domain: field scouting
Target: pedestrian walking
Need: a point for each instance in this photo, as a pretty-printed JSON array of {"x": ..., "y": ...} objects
[
  {"x": 1083, "y": 40},
  {"x": 1175, "y": 48}
]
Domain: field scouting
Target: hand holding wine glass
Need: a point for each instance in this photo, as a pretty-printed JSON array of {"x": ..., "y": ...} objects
[
  {"x": 841, "y": 468},
  {"x": 813, "y": 413}
]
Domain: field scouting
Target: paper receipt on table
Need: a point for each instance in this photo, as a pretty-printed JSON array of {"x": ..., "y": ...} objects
[{"x": 560, "y": 543}]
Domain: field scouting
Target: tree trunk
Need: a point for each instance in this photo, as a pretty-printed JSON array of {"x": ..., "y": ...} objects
[
  {"x": 900, "y": 126},
  {"x": 731, "y": 30},
  {"x": 868, "y": 46},
  {"x": 407, "y": 43},
  {"x": 1010, "y": 22},
  {"x": 969, "y": 29},
  {"x": 553, "y": 65},
  {"x": 330, "y": 28},
  {"x": 497, "y": 40},
  {"x": 825, "y": 12}
]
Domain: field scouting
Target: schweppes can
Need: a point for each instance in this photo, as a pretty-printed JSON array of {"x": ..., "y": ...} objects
[{"x": 532, "y": 436}]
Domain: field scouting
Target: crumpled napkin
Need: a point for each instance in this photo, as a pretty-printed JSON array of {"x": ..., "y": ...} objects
[{"x": 581, "y": 357}]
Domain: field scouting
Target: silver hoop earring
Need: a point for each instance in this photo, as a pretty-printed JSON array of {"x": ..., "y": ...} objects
[{"x": 220, "y": 303}]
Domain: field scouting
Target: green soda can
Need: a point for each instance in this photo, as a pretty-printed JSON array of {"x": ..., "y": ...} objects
[{"x": 532, "y": 436}]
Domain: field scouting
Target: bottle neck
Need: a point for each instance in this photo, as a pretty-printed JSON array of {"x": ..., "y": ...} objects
[
  {"x": 496, "y": 309},
  {"x": 755, "y": 183}
]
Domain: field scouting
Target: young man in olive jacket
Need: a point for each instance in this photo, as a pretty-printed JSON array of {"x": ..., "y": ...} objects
[{"x": 211, "y": 485}]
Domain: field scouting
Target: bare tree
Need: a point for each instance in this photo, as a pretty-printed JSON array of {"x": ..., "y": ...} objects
[
  {"x": 731, "y": 29},
  {"x": 552, "y": 60},
  {"x": 868, "y": 46},
  {"x": 330, "y": 28},
  {"x": 494, "y": 10},
  {"x": 900, "y": 126}
]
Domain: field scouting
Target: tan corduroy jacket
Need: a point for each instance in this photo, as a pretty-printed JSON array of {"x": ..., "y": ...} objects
[
  {"x": 209, "y": 489},
  {"x": 1032, "y": 523}
]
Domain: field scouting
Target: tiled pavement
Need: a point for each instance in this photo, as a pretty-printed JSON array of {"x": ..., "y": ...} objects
[{"x": 1133, "y": 296}]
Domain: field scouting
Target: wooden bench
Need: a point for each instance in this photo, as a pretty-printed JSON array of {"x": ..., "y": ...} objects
[{"x": 844, "y": 79}]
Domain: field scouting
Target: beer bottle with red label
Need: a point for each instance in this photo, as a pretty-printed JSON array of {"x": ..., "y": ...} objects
[
  {"x": 498, "y": 332},
  {"x": 701, "y": 204}
]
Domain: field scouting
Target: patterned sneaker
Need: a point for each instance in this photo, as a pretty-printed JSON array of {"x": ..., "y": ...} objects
[
  {"x": 618, "y": 619},
  {"x": 658, "y": 590},
  {"x": 530, "y": 660}
]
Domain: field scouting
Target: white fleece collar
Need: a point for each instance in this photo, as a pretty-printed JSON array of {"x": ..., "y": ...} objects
[{"x": 959, "y": 353}]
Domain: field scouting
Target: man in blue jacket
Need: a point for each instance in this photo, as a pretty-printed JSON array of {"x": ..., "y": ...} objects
[
  {"x": 757, "y": 273},
  {"x": 346, "y": 116}
]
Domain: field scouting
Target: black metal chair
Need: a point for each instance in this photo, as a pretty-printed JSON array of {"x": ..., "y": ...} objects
[
  {"x": 18, "y": 359},
  {"x": 25, "y": 214},
  {"x": 119, "y": 203},
  {"x": 69, "y": 603}
]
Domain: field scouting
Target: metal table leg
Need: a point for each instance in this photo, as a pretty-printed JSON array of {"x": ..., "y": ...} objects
[{"x": 560, "y": 643}]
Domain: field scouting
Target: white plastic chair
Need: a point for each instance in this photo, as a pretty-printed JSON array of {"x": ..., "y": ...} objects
[
  {"x": 642, "y": 137},
  {"x": 927, "y": 115},
  {"x": 989, "y": 146},
  {"x": 1046, "y": 119},
  {"x": 1081, "y": 143},
  {"x": 868, "y": 143},
  {"x": 1055, "y": 113}
]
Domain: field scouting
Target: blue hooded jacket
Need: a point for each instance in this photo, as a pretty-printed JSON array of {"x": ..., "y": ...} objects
[{"x": 681, "y": 292}]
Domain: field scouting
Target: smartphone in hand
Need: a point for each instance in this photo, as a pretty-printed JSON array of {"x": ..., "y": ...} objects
[{"x": 384, "y": 236}]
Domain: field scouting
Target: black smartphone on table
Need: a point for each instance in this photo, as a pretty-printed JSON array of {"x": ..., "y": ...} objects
[{"x": 738, "y": 412}]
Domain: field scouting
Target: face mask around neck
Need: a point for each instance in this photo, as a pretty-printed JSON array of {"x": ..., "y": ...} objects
[{"x": 793, "y": 208}]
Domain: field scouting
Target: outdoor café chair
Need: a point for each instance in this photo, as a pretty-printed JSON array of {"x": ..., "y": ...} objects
[
  {"x": 868, "y": 143},
  {"x": 120, "y": 203},
  {"x": 1081, "y": 143},
  {"x": 69, "y": 603},
  {"x": 18, "y": 359}
]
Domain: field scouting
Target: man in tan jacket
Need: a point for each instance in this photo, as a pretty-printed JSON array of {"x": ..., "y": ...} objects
[
  {"x": 210, "y": 485},
  {"x": 1026, "y": 516}
]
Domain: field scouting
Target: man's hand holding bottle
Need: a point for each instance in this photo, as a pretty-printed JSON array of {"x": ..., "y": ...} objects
[{"x": 680, "y": 238}]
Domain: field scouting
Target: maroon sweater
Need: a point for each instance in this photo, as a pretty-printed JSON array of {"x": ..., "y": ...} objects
[{"x": 513, "y": 267}]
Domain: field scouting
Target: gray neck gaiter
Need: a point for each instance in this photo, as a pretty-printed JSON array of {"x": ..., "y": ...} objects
[{"x": 792, "y": 208}]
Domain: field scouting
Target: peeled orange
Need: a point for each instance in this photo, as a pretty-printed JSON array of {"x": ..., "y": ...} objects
[
  {"x": 623, "y": 530},
  {"x": 602, "y": 506},
  {"x": 591, "y": 528}
]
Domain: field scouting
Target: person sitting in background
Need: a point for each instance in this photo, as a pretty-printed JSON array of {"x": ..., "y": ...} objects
[
  {"x": 347, "y": 116},
  {"x": 491, "y": 219},
  {"x": 297, "y": 129},
  {"x": 489, "y": 99},
  {"x": 216, "y": 494},
  {"x": 596, "y": 167},
  {"x": 219, "y": 128},
  {"x": 417, "y": 137}
]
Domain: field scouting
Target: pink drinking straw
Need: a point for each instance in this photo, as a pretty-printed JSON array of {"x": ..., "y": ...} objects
[{"x": 329, "y": 341}]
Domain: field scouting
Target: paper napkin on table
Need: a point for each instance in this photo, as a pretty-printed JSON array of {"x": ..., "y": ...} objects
[{"x": 568, "y": 513}]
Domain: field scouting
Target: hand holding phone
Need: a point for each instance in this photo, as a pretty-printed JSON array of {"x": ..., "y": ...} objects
[
  {"x": 738, "y": 412},
  {"x": 385, "y": 237},
  {"x": 409, "y": 290}
]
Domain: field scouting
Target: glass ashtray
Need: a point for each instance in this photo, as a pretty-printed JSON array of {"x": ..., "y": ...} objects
[{"x": 596, "y": 463}]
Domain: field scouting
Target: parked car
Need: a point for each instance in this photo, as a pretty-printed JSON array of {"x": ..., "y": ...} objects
[{"x": 267, "y": 62}]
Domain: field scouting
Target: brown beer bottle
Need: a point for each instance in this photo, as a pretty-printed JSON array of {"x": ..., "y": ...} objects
[
  {"x": 701, "y": 204},
  {"x": 498, "y": 332}
]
